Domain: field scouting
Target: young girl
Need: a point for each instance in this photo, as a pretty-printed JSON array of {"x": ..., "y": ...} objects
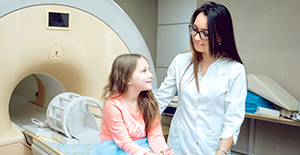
[{"x": 131, "y": 110}]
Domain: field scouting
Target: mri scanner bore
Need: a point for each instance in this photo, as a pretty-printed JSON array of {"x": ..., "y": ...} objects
[
  {"x": 53, "y": 46},
  {"x": 31, "y": 97}
]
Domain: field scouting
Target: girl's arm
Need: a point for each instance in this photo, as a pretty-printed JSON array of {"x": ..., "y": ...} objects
[
  {"x": 155, "y": 137},
  {"x": 113, "y": 117}
]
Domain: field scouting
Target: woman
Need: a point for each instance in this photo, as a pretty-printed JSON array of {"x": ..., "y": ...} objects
[{"x": 211, "y": 84}]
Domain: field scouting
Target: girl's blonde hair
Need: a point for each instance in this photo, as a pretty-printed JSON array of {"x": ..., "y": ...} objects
[{"x": 121, "y": 71}]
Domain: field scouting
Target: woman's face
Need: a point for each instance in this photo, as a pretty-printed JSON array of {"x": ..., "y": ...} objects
[{"x": 201, "y": 45}]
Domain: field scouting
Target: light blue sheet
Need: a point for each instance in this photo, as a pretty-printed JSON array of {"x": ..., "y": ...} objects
[{"x": 107, "y": 147}]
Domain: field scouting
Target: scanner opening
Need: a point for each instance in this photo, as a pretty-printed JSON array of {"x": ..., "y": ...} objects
[{"x": 31, "y": 97}]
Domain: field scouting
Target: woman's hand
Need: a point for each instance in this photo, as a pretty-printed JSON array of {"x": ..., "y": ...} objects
[
  {"x": 220, "y": 152},
  {"x": 225, "y": 144}
]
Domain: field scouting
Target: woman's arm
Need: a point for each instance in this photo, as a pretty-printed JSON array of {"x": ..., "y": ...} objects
[
  {"x": 167, "y": 89},
  {"x": 234, "y": 105},
  {"x": 224, "y": 144}
]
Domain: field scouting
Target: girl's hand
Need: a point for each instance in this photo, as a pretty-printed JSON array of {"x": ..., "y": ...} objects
[
  {"x": 148, "y": 153},
  {"x": 168, "y": 151}
]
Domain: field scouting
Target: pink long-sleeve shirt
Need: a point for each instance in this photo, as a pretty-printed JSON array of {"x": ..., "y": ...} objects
[{"x": 123, "y": 125}]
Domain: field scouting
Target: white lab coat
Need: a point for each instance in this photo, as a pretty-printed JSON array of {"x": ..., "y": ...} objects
[{"x": 203, "y": 118}]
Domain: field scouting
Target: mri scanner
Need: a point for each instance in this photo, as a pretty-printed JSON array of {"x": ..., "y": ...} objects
[{"x": 54, "y": 46}]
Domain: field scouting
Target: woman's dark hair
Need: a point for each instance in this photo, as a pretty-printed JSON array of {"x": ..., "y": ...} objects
[{"x": 219, "y": 24}]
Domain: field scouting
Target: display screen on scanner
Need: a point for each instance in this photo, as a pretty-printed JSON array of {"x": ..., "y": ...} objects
[{"x": 58, "y": 19}]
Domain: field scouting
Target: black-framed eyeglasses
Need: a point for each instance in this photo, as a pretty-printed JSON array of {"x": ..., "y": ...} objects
[{"x": 194, "y": 31}]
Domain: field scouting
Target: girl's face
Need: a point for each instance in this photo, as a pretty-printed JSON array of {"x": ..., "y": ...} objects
[
  {"x": 201, "y": 45},
  {"x": 141, "y": 77}
]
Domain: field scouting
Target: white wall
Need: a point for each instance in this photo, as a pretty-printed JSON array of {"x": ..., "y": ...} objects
[
  {"x": 144, "y": 15},
  {"x": 267, "y": 37},
  {"x": 172, "y": 32}
]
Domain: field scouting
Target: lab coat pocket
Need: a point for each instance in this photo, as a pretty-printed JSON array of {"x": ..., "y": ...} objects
[
  {"x": 214, "y": 94},
  {"x": 217, "y": 92}
]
